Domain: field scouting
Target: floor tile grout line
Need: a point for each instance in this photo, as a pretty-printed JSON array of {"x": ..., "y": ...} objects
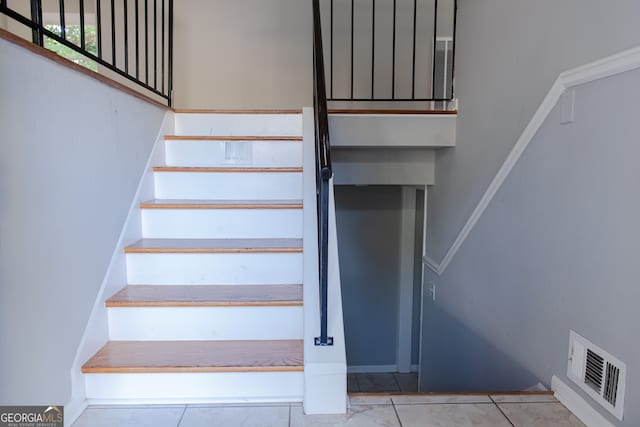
[
  {"x": 396, "y": 412},
  {"x": 502, "y": 412},
  {"x": 184, "y": 411},
  {"x": 444, "y": 403}
]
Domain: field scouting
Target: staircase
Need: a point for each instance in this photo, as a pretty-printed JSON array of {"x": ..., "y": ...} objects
[{"x": 212, "y": 309}]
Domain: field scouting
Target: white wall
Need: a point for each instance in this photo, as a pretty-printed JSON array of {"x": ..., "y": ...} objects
[
  {"x": 72, "y": 154},
  {"x": 508, "y": 55},
  {"x": 13, "y": 26},
  {"x": 243, "y": 54},
  {"x": 383, "y": 166}
]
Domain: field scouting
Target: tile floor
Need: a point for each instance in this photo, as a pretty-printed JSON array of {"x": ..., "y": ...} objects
[
  {"x": 374, "y": 411},
  {"x": 382, "y": 383}
]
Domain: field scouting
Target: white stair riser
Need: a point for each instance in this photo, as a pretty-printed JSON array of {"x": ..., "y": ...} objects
[
  {"x": 193, "y": 387},
  {"x": 205, "y": 323},
  {"x": 239, "y": 124},
  {"x": 213, "y": 153},
  {"x": 221, "y": 223},
  {"x": 228, "y": 185},
  {"x": 214, "y": 269}
]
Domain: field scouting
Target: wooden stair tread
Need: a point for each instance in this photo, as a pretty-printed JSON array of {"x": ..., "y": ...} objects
[
  {"x": 231, "y": 138},
  {"x": 221, "y": 204},
  {"x": 215, "y": 246},
  {"x": 222, "y": 169},
  {"x": 206, "y": 296},
  {"x": 197, "y": 356}
]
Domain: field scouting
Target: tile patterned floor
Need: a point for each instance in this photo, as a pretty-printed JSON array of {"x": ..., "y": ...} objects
[{"x": 364, "y": 411}]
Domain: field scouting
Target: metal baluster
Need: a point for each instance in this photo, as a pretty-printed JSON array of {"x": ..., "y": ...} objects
[
  {"x": 453, "y": 50},
  {"x": 36, "y": 17},
  {"x": 162, "y": 49},
  {"x": 63, "y": 27},
  {"x": 373, "y": 46},
  {"x": 393, "y": 55},
  {"x": 126, "y": 36},
  {"x": 352, "y": 24},
  {"x": 155, "y": 44},
  {"x": 146, "y": 41},
  {"x": 99, "y": 27},
  {"x": 435, "y": 46},
  {"x": 413, "y": 63},
  {"x": 82, "y": 36},
  {"x": 113, "y": 33},
  {"x": 331, "y": 53},
  {"x": 170, "y": 65},
  {"x": 137, "y": 6}
]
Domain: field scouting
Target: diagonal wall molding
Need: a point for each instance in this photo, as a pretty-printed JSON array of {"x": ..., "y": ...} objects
[{"x": 615, "y": 64}]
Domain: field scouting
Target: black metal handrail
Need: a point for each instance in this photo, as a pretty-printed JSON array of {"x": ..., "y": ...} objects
[
  {"x": 323, "y": 170},
  {"x": 114, "y": 63}
]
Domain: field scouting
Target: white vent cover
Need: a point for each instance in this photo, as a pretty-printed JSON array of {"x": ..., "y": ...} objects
[
  {"x": 598, "y": 373},
  {"x": 237, "y": 152}
]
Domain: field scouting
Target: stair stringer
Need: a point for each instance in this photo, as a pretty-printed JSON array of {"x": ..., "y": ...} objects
[
  {"x": 325, "y": 368},
  {"x": 96, "y": 333}
]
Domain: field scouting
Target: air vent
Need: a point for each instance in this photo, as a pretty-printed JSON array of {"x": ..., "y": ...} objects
[
  {"x": 593, "y": 373},
  {"x": 611, "y": 384},
  {"x": 237, "y": 152},
  {"x": 597, "y": 372}
]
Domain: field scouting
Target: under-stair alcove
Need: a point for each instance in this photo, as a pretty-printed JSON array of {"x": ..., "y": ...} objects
[
  {"x": 384, "y": 163},
  {"x": 380, "y": 231}
]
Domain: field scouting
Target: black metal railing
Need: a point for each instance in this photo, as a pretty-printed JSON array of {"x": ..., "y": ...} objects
[
  {"x": 390, "y": 50},
  {"x": 97, "y": 34},
  {"x": 323, "y": 170}
]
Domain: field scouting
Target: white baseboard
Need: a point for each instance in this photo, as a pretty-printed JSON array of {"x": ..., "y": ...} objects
[
  {"x": 248, "y": 401},
  {"x": 577, "y": 405},
  {"x": 73, "y": 410},
  {"x": 376, "y": 369},
  {"x": 537, "y": 387}
]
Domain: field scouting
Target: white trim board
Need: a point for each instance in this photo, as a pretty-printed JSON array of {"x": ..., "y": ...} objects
[
  {"x": 577, "y": 405},
  {"x": 406, "y": 260},
  {"x": 603, "y": 68}
]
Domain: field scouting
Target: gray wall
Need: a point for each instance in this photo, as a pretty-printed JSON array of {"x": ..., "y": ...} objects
[
  {"x": 368, "y": 221},
  {"x": 508, "y": 55},
  {"x": 555, "y": 250},
  {"x": 73, "y": 151}
]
